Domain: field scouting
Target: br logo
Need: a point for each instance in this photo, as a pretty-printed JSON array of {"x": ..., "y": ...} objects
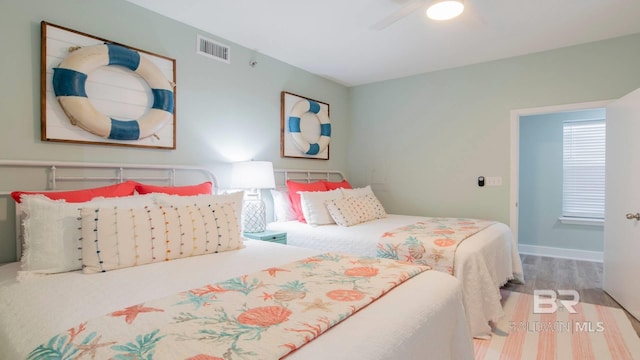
[{"x": 546, "y": 301}]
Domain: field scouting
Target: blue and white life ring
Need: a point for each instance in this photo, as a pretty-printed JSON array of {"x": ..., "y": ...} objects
[
  {"x": 299, "y": 109},
  {"x": 69, "y": 80}
]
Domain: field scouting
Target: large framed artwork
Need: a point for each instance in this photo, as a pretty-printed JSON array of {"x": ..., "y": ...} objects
[
  {"x": 305, "y": 127},
  {"x": 96, "y": 91}
]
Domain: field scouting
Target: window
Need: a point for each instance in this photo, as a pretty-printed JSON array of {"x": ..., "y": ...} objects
[{"x": 583, "y": 169}]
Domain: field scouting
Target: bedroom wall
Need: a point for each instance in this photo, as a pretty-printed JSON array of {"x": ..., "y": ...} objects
[
  {"x": 422, "y": 141},
  {"x": 224, "y": 112},
  {"x": 541, "y": 176}
]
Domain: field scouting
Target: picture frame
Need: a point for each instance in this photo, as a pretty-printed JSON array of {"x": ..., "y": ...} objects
[
  {"x": 305, "y": 127},
  {"x": 130, "y": 102}
]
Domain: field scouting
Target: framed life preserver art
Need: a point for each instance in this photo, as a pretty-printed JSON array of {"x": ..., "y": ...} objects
[
  {"x": 95, "y": 91},
  {"x": 305, "y": 127}
]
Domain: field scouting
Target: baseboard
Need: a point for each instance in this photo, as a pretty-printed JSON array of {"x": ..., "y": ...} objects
[{"x": 574, "y": 254}]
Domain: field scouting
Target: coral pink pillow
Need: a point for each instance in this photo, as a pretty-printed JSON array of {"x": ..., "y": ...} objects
[
  {"x": 200, "y": 189},
  {"x": 75, "y": 196},
  {"x": 294, "y": 187},
  {"x": 332, "y": 185}
]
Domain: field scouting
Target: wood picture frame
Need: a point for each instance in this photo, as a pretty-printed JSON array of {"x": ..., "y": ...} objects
[
  {"x": 121, "y": 100},
  {"x": 305, "y": 129}
]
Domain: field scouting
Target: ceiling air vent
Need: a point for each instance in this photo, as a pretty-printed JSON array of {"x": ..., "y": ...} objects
[{"x": 213, "y": 49}]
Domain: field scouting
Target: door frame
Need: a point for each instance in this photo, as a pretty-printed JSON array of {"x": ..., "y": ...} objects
[{"x": 514, "y": 191}]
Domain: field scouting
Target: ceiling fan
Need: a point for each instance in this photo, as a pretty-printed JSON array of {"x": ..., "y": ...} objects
[{"x": 437, "y": 10}]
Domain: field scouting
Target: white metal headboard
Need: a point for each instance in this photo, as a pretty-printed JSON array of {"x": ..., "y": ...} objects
[
  {"x": 282, "y": 175},
  {"x": 120, "y": 172},
  {"x": 27, "y": 175}
]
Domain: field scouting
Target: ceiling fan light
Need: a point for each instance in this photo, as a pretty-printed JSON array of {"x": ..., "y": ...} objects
[{"x": 445, "y": 9}]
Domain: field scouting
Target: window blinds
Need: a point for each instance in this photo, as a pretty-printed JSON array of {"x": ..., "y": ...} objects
[{"x": 583, "y": 169}]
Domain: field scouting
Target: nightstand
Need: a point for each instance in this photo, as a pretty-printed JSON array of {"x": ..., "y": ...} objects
[{"x": 268, "y": 235}]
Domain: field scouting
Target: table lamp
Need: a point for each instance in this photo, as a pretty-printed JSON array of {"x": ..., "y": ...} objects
[{"x": 253, "y": 176}]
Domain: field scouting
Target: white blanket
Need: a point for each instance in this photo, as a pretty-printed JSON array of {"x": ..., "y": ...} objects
[
  {"x": 483, "y": 262},
  {"x": 422, "y": 318}
]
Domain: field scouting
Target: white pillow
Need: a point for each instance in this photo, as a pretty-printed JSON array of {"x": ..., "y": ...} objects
[
  {"x": 282, "y": 206},
  {"x": 350, "y": 211},
  {"x": 314, "y": 208},
  {"x": 203, "y": 200},
  {"x": 357, "y": 192},
  {"x": 116, "y": 237},
  {"x": 51, "y": 232}
]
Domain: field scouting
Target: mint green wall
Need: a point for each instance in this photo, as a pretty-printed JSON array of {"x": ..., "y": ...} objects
[
  {"x": 224, "y": 112},
  {"x": 425, "y": 139},
  {"x": 540, "y": 203}
]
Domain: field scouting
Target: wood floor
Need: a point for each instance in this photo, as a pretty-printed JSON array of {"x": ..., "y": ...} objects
[{"x": 542, "y": 272}]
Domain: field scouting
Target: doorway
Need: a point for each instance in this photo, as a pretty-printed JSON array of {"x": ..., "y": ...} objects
[{"x": 530, "y": 115}]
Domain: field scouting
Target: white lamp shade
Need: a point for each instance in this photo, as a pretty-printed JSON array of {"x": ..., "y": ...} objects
[
  {"x": 252, "y": 175},
  {"x": 445, "y": 9}
]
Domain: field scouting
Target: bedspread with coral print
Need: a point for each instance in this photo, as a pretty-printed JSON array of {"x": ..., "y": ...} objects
[
  {"x": 430, "y": 242},
  {"x": 264, "y": 315}
]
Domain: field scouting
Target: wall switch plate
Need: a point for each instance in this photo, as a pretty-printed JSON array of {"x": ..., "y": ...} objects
[{"x": 493, "y": 180}]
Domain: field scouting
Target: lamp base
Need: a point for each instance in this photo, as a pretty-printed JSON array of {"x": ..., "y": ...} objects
[{"x": 254, "y": 218}]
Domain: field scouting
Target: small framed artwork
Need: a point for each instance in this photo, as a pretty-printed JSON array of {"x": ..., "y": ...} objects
[
  {"x": 95, "y": 91},
  {"x": 305, "y": 127}
]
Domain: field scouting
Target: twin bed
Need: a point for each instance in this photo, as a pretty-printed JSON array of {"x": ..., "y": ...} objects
[
  {"x": 483, "y": 262},
  {"x": 421, "y": 315}
]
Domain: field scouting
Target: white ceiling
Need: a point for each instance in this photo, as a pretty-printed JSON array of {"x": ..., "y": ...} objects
[{"x": 336, "y": 39}]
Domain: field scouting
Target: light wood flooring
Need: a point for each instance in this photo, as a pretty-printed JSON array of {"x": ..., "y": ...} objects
[{"x": 542, "y": 272}]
